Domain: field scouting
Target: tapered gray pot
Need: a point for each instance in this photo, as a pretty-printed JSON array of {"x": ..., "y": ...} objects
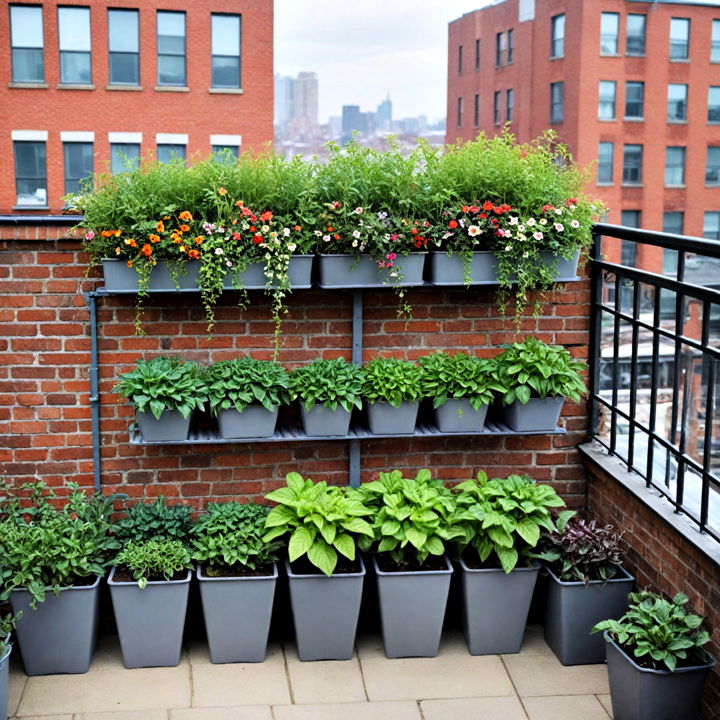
[
  {"x": 348, "y": 271},
  {"x": 384, "y": 419},
  {"x": 4, "y": 681},
  {"x": 457, "y": 415},
  {"x": 564, "y": 269},
  {"x": 170, "y": 426},
  {"x": 121, "y": 278},
  {"x": 323, "y": 421},
  {"x": 237, "y": 613},
  {"x": 150, "y": 621},
  {"x": 253, "y": 277},
  {"x": 60, "y": 635},
  {"x": 572, "y": 610},
  {"x": 450, "y": 269},
  {"x": 495, "y": 607},
  {"x": 253, "y": 422},
  {"x": 641, "y": 694},
  {"x": 325, "y": 612},
  {"x": 412, "y": 610},
  {"x": 536, "y": 415}
]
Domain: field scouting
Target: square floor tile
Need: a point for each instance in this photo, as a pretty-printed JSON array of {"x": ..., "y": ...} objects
[
  {"x": 544, "y": 675},
  {"x": 587, "y": 707},
  {"x": 324, "y": 681},
  {"x": 489, "y": 708}
]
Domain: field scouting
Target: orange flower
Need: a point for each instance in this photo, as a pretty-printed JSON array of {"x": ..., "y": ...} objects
[
  {"x": 267, "y": 215},
  {"x": 239, "y": 203},
  {"x": 176, "y": 238},
  {"x": 298, "y": 228},
  {"x": 222, "y": 191},
  {"x": 118, "y": 233},
  {"x": 183, "y": 248},
  {"x": 146, "y": 250},
  {"x": 194, "y": 254},
  {"x": 336, "y": 236},
  {"x": 185, "y": 215},
  {"x": 184, "y": 228},
  {"x": 117, "y": 250},
  {"x": 130, "y": 242},
  {"x": 129, "y": 263},
  {"x": 199, "y": 239},
  {"x": 160, "y": 226},
  {"x": 330, "y": 228},
  {"x": 154, "y": 238}
]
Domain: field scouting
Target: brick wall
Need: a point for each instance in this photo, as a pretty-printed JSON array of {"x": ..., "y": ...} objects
[{"x": 44, "y": 380}]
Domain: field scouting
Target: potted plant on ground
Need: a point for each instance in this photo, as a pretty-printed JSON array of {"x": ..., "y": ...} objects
[
  {"x": 392, "y": 389},
  {"x": 7, "y": 623},
  {"x": 237, "y": 573},
  {"x": 149, "y": 590},
  {"x": 499, "y": 523},
  {"x": 246, "y": 394},
  {"x": 461, "y": 387},
  {"x": 537, "y": 377},
  {"x": 321, "y": 524},
  {"x": 164, "y": 392},
  {"x": 410, "y": 527},
  {"x": 52, "y": 560},
  {"x": 587, "y": 583},
  {"x": 657, "y": 664},
  {"x": 152, "y": 520},
  {"x": 327, "y": 390}
]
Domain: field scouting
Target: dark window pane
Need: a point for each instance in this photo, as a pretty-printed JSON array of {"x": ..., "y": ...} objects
[
  {"x": 78, "y": 165},
  {"x": 75, "y": 68},
  {"x": 30, "y": 173},
  {"x": 166, "y": 153},
  {"x": 124, "y": 157},
  {"x": 27, "y": 65},
  {"x": 635, "y": 35},
  {"x": 124, "y": 69},
  {"x": 634, "y": 99},
  {"x": 226, "y": 153},
  {"x": 226, "y": 72},
  {"x": 605, "y": 162},
  {"x": 712, "y": 168},
  {"x": 171, "y": 70}
]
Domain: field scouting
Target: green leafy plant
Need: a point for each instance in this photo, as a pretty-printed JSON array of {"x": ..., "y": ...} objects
[
  {"x": 392, "y": 380},
  {"x": 230, "y": 535},
  {"x": 659, "y": 633},
  {"x": 534, "y": 369},
  {"x": 410, "y": 517},
  {"x": 501, "y": 519},
  {"x": 330, "y": 383},
  {"x": 245, "y": 381},
  {"x": 154, "y": 560},
  {"x": 319, "y": 520},
  {"x": 163, "y": 384},
  {"x": 459, "y": 376},
  {"x": 148, "y": 521}
]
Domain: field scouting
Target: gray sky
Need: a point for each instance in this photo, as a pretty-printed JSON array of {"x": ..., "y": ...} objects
[{"x": 363, "y": 49}]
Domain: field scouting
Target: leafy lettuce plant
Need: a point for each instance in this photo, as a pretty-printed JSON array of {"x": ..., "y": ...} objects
[
  {"x": 319, "y": 521},
  {"x": 330, "y": 383},
  {"x": 154, "y": 560},
  {"x": 392, "y": 380},
  {"x": 148, "y": 521},
  {"x": 661, "y": 634}
]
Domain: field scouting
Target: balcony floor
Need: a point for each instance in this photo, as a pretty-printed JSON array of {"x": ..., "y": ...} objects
[{"x": 531, "y": 685}]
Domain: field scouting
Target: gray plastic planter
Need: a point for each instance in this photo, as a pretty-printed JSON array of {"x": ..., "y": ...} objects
[
  {"x": 322, "y": 421},
  {"x": 565, "y": 269},
  {"x": 412, "y": 610},
  {"x": 253, "y": 278},
  {"x": 573, "y": 609},
  {"x": 4, "y": 680},
  {"x": 641, "y": 694},
  {"x": 60, "y": 635},
  {"x": 535, "y": 415},
  {"x": 384, "y": 419},
  {"x": 325, "y": 611},
  {"x": 150, "y": 621},
  {"x": 495, "y": 607},
  {"x": 450, "y": 269},
  {"x": 237, "y": 614},
  {"x": 171, "y": 426},
  {"x": 457, "y": 415},
  {"x": 121, "y": 278},
  {"x": 253, "y": 422},
  {"x": 346, "y": 271}
]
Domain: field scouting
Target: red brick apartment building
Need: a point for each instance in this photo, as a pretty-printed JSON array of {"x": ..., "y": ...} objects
[
  {"x": 633, "y": 85},
  {"x": 87, "y": 84}
]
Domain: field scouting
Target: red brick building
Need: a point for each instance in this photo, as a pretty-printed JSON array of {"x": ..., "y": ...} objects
[
  {"x": 632, "y": 85},
  {"x": 87, "y": 84}
]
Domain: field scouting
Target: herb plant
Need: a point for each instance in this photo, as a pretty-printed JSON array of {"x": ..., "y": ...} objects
[
  {"x": 149, "y": 521},
  {"x": 164, "y": 384},
  {"x": 501, "y": 519},
  {"x": 534, "y": 369},
  {"x": 661, "y": 634},
  {"x": 230, "y": 535},
  {"x": 319, "y": 520},
  {"x": 392, "y": 380},
  {"x": 154, "y": 560},
  {"x": 330, "y": 383}
]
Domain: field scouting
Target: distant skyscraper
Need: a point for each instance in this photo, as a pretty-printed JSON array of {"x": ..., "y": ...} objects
[
  {"x": 284, "y": 87},
  {"x": 305, "y": 98},
  {"x": 352, "y": 120},
  {"x": 383, "y": 116}
]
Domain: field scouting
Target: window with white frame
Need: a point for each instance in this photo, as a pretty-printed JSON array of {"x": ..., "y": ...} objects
[
  {"x": 715, "y": 44},
  {"x": 609, "y": 28},
  {"x": 606, "y": 100},
  {"x": 711, "y": 225},
  {"x": 677, "y": 102},
  {"x": 26, "y": 44},
  {"x": 124, "y": 47},
  {"x": 30, "y": 173},
  {"x": 674, "y": 166},
  {"x": 496, "y": 107},
  {"x": 500, "y": 46},
  {"x": 635, "y": 35},
  {"x": 557, "y": 36},
  {"x": 714, "y": 104},
  {"x": 226, "y": 42},
  {"x": 510, "y": 46}
]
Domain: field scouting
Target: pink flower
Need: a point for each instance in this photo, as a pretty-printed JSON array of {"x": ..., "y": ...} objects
[
  {"x": 391, "y": 256},
  {"x": 538, "y": 235},
  {"x": 89, "y": 235}
]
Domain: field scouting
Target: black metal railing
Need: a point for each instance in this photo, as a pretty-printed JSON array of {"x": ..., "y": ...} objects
[{"x": 655, "y": 350}]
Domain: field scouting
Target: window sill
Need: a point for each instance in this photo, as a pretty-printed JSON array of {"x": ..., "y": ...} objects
[
  {"x": 677, "y": 122},
  {"x": 680, "y": 60},
  {"x": 72, "y": 86},
  {"x": 635, "y": 55},
  {"x": 31, "y": 207},
  {"x": 605, "y": 184},
  {"x": 676, "y": 187},
  {"x": 557, "y": 57},
  {"x": 713, "y": 122},
  {"x": 28, "y": 85},
  {"x": 172, "y": 88},
  {"x": 632, "y": 185},
  {"x": 614, "y": 55},
  {"x": 133, "y": 88},
  {"x": 607, "y": 120},
  {"x": 712, "y": 185},
  {"x": 633, "y": 119},
  {"x": 226, "y": 91}
]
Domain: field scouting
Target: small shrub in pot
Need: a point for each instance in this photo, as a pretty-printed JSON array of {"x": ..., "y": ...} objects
[
  {"x": 158, "y": 519},
  {"x": 7, "y": 623}
]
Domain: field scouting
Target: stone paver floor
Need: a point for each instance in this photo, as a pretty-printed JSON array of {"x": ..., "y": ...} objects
[{"x": 532, "y": 685}]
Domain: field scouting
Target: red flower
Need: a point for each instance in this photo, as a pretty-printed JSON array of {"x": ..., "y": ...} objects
[
  {"x": 330, "y": 228},
  {"x": 267, "y": 215},
  {"x": 193, "y": 254},
  {"x": 474, "y": 209},
  {"x": 465, "y": 209},
  {"x": 236, "y": 236},
  {"x": 336, "y": 236},
  {"x": 487, "y": 205},
  {"x": 258, "y": 239},
  {"x": 452, "y": 224},
  {"x": 483, "y": 215},
  {"x": 414, "y": 231}
]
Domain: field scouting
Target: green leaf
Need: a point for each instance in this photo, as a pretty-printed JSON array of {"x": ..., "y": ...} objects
[
  {"x": 323, "y": 557},
  {"x": 345, "y": 545},
  {"x": 300, "y": 542}
]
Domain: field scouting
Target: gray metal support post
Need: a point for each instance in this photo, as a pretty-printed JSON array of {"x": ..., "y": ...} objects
[
  {"x": 94, "y": 387},
  {"x": 357, "y": 358}
]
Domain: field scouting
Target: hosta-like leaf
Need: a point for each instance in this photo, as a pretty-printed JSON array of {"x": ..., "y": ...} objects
[
  {"x": 323, "y": 557},
  {"x": 345, "y": 545},
  {"x": 300, "y": 542}
]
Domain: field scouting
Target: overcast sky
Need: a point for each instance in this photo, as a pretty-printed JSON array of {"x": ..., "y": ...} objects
[{"x": 361, "y": 50}]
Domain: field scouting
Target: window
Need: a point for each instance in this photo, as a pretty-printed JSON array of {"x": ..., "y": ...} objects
[
  {"x": 225, "y": 51},
  {"x": 711, "y": 225},
  {"x": 679, "y": 38},
  {"x": 632, "y": 164},
  {"x": 634, "y": 100},
  {"x": 715, "y": 46},
  {"x": 26, "y": 40},
  {"x": 605, "y": 163},
  {"x": 714, "y": 104},
  {"x": 459, "y": 112},
  {"x": 227, "y": 154},
  {"x": 672, "y": 223},
  {"x": 630, "y": 218},
  {"x": 78, "y": 165},
  {"x": 499, "y": 48},
  {"x": 74, "y": 41},
  {"x": 609, "y": 26},
  {"x": 510, "y": 46},
  {"x": 712, "y": 166},
  {"x": 30, "y": 173},
  {"x": 124, "y": 157},
  {"x": 557, "y": 36},
  {"x": 496, "y": 107},
  {"x": 628, "y": 249},
  {"x": 677, "y": 102},
  {"x": 167, "y": 152},
  {"x": 124, "y": 47},
  {"x": 635, "y": 37},
  {"x": 460, "y": 59},
  {"x": 171, "y": 48},
  {"x": 674, "y": 165},
  {"x": 476, "y": 110},
  {"x": 509, "y": 102},
  {"x": 557, "y": 102},
  {"x": 606, "y": 105},
  {"x": 477, "y": 54}
]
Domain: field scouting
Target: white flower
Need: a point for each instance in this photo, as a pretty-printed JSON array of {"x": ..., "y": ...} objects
[
  {"x": 514, "y": 220},
  {"x": 218, "y": 251},
  {"x": 286, "y": 231},
  {"x": 317, "y": 233},
  {"x": 273, "y": 235},
  {"x": 558, "y": 211},
  {"x": 473, "y": 230},
  {"x": 269, "y": 275},
  {"x": 326, "y": 238},
  {"x": 538, "y": 235},
  {"x": 358, "y": 210},
  {"x": 354, "y": 243},
  {"x": 526, "y": 254},
  {"x": 575, "y": 223},
  {"x": 508, "y": 248},
  {"x": 382, "y": 215},
  {"x": 393, "y": 274},
  {"x": 264, "y": 228},
  {"x": 559, "y": 227},
  {"x": 543, "y": 221},
  {"x": 521, "y": 228},
  {"x": 356, "y": 233},
  {"x": 292, "y": 247},
  {"x": 530, "y": 222},
  {"x": 228, "y": 263}
]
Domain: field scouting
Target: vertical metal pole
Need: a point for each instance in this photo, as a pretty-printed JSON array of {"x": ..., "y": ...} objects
[
  {"x": 94, "y": 388},
  {"x": 595, "y": 331},
  {"x": 357, "y": 358}
]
